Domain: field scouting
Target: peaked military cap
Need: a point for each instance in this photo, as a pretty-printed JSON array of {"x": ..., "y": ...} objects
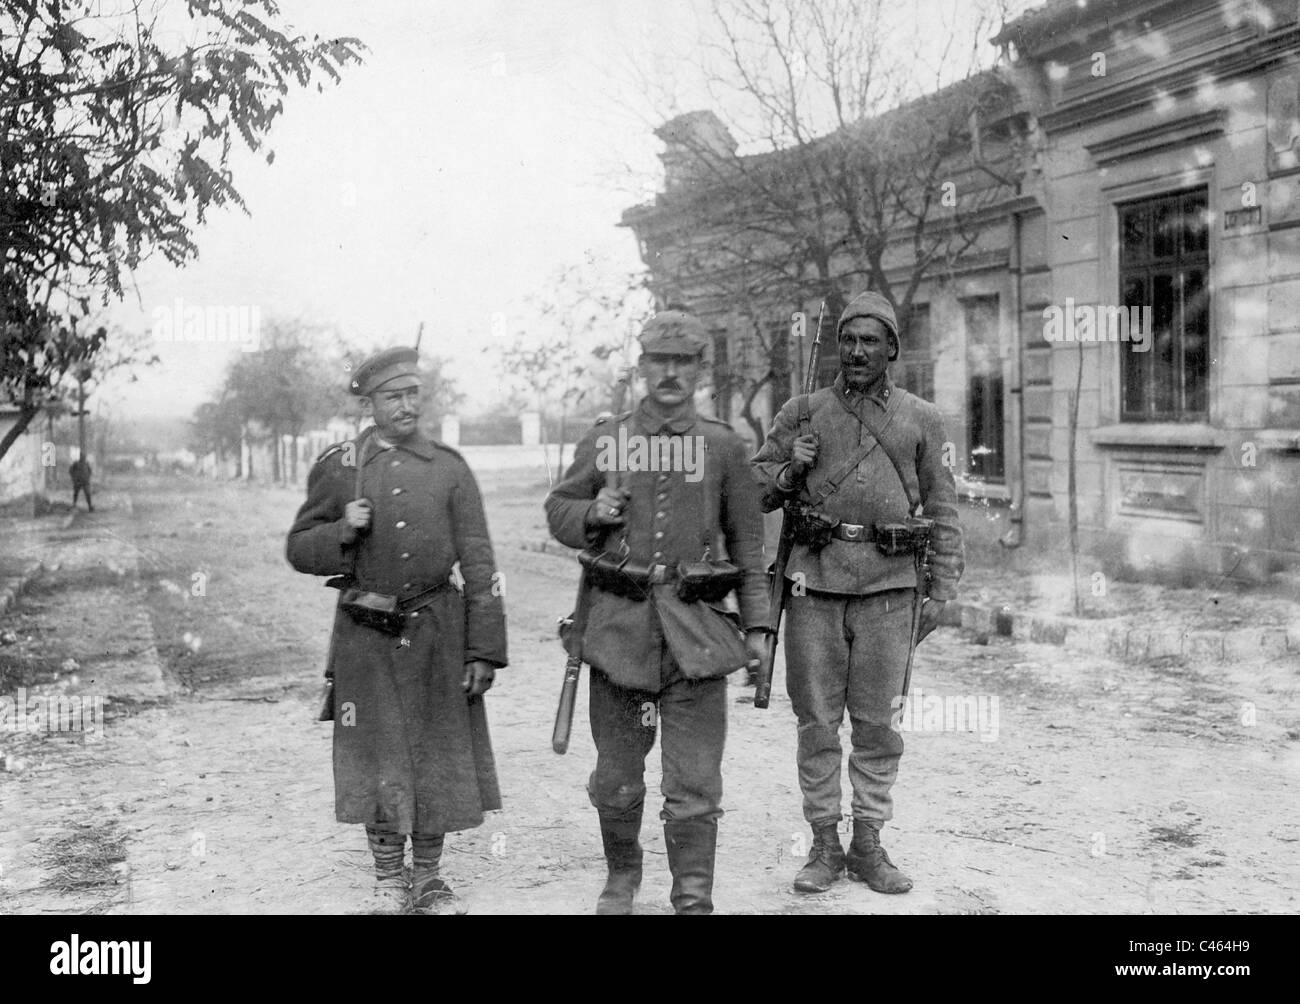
[
  {"x": 383, "y": 367},
  {"x": 674, "y": 332}
]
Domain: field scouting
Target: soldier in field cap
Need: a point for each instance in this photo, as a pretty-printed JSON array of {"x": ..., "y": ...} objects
[
  {"x": 388, "y": 515},
  {"x": 644, "y": 678}
]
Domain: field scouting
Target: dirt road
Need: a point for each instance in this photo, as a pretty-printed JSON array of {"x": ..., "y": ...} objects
[{"x": 1099, "y": 787}]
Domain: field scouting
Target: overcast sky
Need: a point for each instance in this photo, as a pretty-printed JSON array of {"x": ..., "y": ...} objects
[{"x": 474, "y": 153}]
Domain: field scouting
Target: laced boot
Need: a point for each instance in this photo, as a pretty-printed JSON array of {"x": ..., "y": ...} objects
[
  {"x": 825, "y": 860},
  {"x": 868, "y": 862},
  {"x": 620, "y": 837}
]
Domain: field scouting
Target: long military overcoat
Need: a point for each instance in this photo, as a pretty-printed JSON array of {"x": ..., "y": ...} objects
[{"x": 410, "y": 749}]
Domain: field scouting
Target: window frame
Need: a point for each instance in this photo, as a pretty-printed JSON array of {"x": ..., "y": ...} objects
[{"x": 1147, "y": 268}]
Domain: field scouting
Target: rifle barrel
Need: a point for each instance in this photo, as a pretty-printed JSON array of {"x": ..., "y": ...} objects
[{"x": 777, "y": 587}]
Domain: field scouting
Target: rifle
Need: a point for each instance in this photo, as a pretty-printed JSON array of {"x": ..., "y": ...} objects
[
  {"x": 920, "y": 530},
  {"x": 777, "y": 589},
  {"x": 572, "y": 671},
  {"x": 573, "y": 665},
  {"x": 341, "y": 582}
]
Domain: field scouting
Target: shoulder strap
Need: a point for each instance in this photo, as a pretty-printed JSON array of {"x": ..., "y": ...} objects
[
  {"x": 832, "y": 484},
  {"x": 359, "y": 460}
]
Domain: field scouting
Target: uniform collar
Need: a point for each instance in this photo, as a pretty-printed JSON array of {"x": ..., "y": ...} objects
[
  {"x": 854, "y": 398},
  {"x": 371, "y": 445},
  {"x": 656, "y": 420}
]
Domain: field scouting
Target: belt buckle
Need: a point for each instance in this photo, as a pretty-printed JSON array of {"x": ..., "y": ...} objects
[
  {"x": 658, "y": 574},
  {"x": 851, "y": 531}
]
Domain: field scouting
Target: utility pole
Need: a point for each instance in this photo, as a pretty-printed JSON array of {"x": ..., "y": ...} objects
[{"x": 83, "y": 374}]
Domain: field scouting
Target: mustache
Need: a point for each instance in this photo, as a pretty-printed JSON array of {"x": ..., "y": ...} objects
[{"x": 669, "y": 384}]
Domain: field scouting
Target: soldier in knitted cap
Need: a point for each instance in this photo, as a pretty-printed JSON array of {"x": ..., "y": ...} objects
[
  {"x": 858, "y": 454},
  {"x": 388, "y": 515},
  {"x": 657, "y": 655}
]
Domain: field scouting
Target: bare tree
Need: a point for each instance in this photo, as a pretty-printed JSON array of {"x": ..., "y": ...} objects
[
  {"x": 839, "y": 163},
  {"x": 577, "y": 346}
]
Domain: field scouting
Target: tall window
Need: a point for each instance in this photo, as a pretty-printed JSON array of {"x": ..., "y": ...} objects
[
  {"x": 984, "y": 389},
  {"x": 914, "y": 369},
  {"x": 1164, "y": 265}
]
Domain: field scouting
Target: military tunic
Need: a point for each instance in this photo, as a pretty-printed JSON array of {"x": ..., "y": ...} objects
[
  {"x": 912, "y": 430},
  {"x": 672, "y": 516},
  {"x": 411, "y": 751}
]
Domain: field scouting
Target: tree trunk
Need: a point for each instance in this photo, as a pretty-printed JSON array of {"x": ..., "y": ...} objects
[
  {"x": 564, "y": 413},
  {"x": 546, "y": 446},
  {"x": 276, "y": 446},
  {"x": 25, "y": 416},
  {"x": 747, "y": 412},
  {"x": 1072, "y": 490}
]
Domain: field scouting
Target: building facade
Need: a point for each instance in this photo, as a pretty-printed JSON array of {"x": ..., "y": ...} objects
[
  {"x": 1124, "y": 338},
  {"x": 23, "y": 470}
]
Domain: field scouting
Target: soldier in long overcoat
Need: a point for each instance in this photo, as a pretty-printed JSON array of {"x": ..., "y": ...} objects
[{"x": 392, "y": 513}]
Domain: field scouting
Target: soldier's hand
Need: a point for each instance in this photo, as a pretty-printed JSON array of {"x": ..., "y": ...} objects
[
  {"x": 478, "y": 677},
  {"x": 931, "y": 614},
  {"x": 607, "y": 509},
  {"x": 356, "y": 519},
  {"x": 803, "y": 457}
]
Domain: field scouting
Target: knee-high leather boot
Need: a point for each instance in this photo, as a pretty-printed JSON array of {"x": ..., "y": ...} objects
[{"x": 692, "y": 845}]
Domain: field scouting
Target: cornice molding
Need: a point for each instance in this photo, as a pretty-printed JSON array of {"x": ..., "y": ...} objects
[
  {"x": 1175, "y": 132},
  {"x": 1242, "y": 59}
]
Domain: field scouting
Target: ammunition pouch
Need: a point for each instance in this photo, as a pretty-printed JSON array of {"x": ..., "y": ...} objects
[
  {"x": 379, "y": 610},
  {"x": 707, "y": 581},
  {"x": 812, "y": 527},
  {"x": 910, "y": 537},
  {"x": 616, "y": 573},
  {"x": 373, "y": 610}
]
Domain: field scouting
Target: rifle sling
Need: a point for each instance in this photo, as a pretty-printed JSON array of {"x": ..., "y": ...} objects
[{"x": 832, "y": 484}]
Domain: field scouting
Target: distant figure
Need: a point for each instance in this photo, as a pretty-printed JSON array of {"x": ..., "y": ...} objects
[{"x": 80, "y": 471}]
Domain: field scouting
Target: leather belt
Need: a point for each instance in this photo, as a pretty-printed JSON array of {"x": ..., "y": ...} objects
[
  {"x": 416, "y": 601},
  {"x": 854, "y": 533},
  {"x": 662, "y": 573},
  {"x": 656, "y": 575},
  {"x": 423, "y": 598}
]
